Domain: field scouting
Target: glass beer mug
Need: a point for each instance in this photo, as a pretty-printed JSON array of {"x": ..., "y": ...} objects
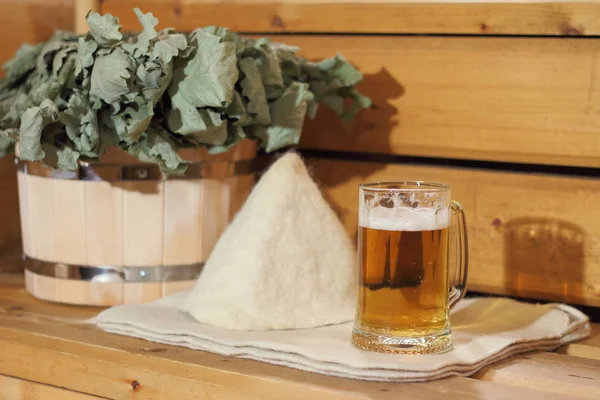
[{"x": 406, "y": 288}]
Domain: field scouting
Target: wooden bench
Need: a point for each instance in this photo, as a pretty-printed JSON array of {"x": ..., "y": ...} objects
[{"x": 50, "y": 351}]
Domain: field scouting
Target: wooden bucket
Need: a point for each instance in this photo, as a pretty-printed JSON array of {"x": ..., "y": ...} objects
[{"x": 119, "y": 232}]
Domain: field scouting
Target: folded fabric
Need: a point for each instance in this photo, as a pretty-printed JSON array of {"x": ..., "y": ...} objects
[{"x": 485, "y": 330}]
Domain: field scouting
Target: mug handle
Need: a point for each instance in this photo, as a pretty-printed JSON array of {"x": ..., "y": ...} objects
[{"x": 458, "y": 280}]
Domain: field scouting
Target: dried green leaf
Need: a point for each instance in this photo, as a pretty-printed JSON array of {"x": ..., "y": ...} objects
[
  {"x": 81, "y": 124},
  {"x": 288, "y": 117},
  {"x": 204, "y": 125},
  {"x": 130, "y": 122},
  {"x": 207, "y": 79},
  {"x": 47, "y": 90},
  {"x": 286, "y": 52},
  {"x": 59, "y": 58},
  {"x": 21, "y": 101},
  {"x": 312, "y": 106},
  {"x": 7, "y": 99},
  {"x": 105, "y": 29},
  {"x": 47, "y": 53},
  {"x": 168, "y": 47},
  {"x": 268, "y": 63},
  {"x": 110, "y": 76},
  {"x": 257, "y": 132},
  {"x": 341, "y": 70},
  {"x": 8, "y": 138},
  {"x": 51, "y": 88},
  {"x": 254, "y": 91},
  {"x": 85, "y": 50},
  {"x": 153, "y": 79},
  {"x": 154, "y": 146},
  {"x": 20, "y": 66},
  {"x": 24, "y": 60},
  {"x": 237, "y": 111},
  {"x": 67, "y": 158},
  {"x": 234, "y": 135},
  {"x": 33, "y": 121},
  {"x": 358, "y": 101},
  {"x": 142, "y": 42},
  {"x": 225, "y": 34},
  {"x": 148, "y": 21}
]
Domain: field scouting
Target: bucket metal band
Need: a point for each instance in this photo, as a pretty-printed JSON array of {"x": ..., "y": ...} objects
[
  {"x": 108, "y": 274},
  {"x": 143, "y": 171}
]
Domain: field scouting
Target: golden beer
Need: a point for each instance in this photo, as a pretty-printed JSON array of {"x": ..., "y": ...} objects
[
  {"x": 403, "y": 277},
  {"x": 404, "y": 293}
]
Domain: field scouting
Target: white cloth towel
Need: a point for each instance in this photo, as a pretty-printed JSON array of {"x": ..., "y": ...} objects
[{"x": 485, "y": 330}]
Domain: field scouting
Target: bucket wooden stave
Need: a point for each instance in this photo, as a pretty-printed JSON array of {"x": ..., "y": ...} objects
[{"x": 128, "y": 236}]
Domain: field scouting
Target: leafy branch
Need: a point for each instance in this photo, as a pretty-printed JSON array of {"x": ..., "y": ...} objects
[{"x": 152, "y": 93}]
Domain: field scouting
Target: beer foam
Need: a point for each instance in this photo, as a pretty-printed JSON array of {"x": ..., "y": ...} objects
[{"x": 404, "y": 218}]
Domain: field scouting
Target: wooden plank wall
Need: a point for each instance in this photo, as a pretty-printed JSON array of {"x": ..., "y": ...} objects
[
  {"x": 21, "y": 21},
  {"x": 485, "y": 97},
  {"x": 508, "y": 114}
]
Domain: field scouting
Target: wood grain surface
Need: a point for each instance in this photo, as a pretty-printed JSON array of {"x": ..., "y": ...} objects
[
  {"x": 17, "y": 389},
  {"x": 21, "y": 21},
  {"x": 526, "y": 100},
  {"x": 530, "y": 235},
  {"x": 480, "y": 17},
  {"x": 516, "y": 99},
  {"x": 57, "y": 346}
]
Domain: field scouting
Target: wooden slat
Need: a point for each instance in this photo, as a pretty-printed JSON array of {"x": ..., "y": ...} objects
[
  {"x": 15, "y": 389},
  {"x": 141, "y": 292},
  {"x": 143, "y": 216},
  {"x": 41, "y": 217},
  {"x": 528, "y": 100},
  {"x": 554, "y": 373},
  {"x": 589, "y": 348},
  {"x": 49, "y": 344},
  {"x": 182, "y": 221},
  {"x": 176, "y": 286},
  {"x": 26, "y": 233},
  {"x": 105, "y": 223},
  {"x": 240, "y": 187},
  {"x": 70, "y": 222},
  {"x": 482, "y": 17},
  {"x": 214, "y": 200},
  {"x": 530, "y": 235}
]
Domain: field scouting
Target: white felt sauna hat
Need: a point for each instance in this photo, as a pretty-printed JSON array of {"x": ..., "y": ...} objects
[{"x": 285, "y": 261}]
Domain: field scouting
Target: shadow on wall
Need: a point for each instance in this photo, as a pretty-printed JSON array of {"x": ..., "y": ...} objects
[
  {"x": 544, "y": 256},
  {"x": 10, "y": 232},
  {"x": 369, "y": 129}
]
